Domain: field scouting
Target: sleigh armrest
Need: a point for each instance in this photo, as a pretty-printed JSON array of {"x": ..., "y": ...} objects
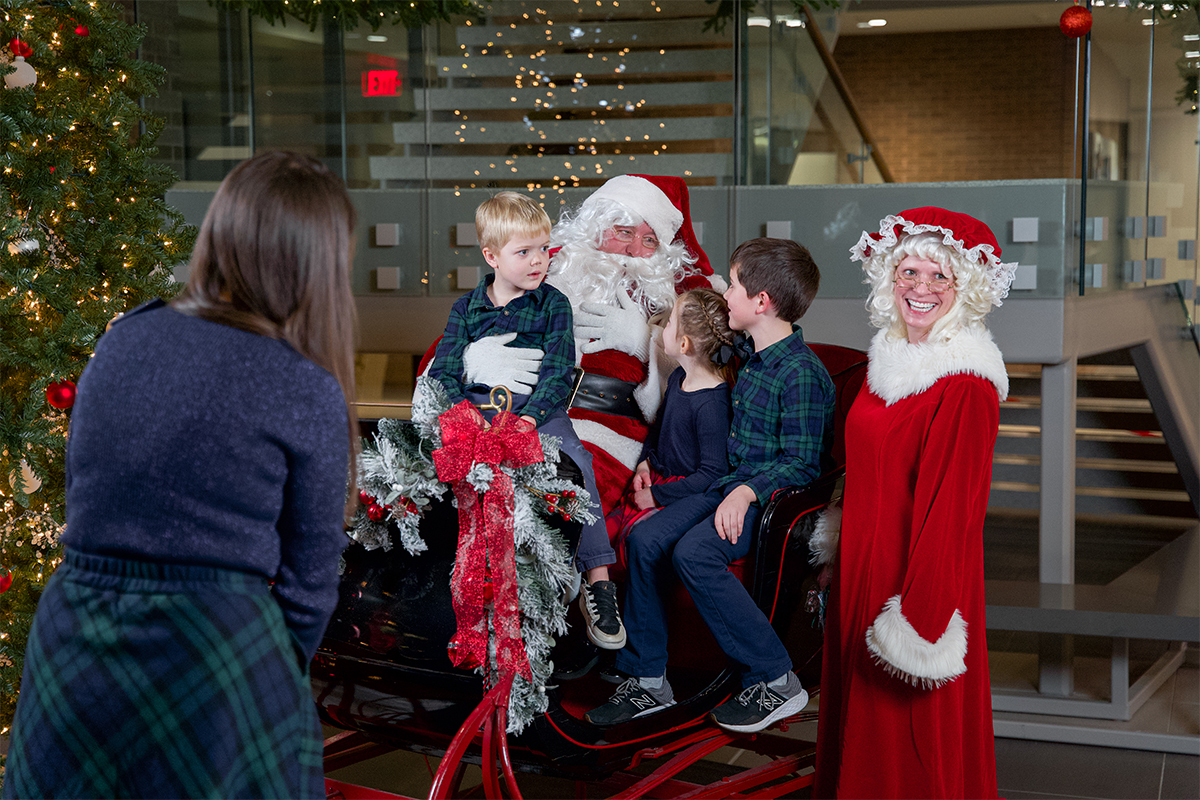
[{"x": 781, "y": 539}]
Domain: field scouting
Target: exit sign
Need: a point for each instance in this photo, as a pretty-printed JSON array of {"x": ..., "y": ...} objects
[{"x": 381, "y": 83}]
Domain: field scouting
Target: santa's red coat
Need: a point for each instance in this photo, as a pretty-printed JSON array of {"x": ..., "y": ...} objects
[
  {"x": 911, "y": 552},
  {"x": 612, "y": 477}
]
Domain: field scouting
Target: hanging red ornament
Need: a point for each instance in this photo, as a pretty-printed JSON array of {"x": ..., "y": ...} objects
[
  {"x": 1076, "y": 21},
  {"x": 460, "y": 656},
  {"x": 376, "y": 512},
  {"x": 5, "y": 579},
  {"x": 20, "y": 48},
  {"x": 82, "y": 30},
  {"x": 61, "y": 394}
]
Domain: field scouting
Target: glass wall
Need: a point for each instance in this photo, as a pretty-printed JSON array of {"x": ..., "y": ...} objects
[
  {"x": 556, "y": 97},
  {"x": 1142, "y": 150}
]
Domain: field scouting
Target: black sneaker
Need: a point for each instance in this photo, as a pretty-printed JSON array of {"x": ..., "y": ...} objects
[
  {"x": 761, "y": 706},
  {"x": 598, "y": 602},
  {"x": 610, "y": 674},
  {"x": 630, "y": 701}
]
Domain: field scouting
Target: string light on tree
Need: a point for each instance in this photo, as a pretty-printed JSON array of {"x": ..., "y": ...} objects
[{"x": 66, "y": 245}]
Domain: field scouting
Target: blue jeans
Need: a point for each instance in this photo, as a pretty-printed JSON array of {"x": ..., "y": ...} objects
[{"x": 682, "y": 540}]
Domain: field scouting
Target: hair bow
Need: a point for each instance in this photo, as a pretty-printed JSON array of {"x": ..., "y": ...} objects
[{"x": 741, "y": 348}]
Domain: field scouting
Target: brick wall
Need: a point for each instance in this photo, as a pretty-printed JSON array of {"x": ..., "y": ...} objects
[{"x": 968, "y": 105}]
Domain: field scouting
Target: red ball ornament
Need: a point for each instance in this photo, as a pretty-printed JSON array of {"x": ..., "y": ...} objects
[
  {"x": 19, "y": 48},
  {"x": 82, "y": 30},
  {"x": 61, "y": 394},
  {"x": 1076, "y": 21},
  {"x": 469, "y": 660},
  {"x": 5, "y": 579},
  {"x": 365, "y": 498},
  {"x": 376, "y": 512}
]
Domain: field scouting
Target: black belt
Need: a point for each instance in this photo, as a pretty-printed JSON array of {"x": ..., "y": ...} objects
[{"x": 607, "y": 395}]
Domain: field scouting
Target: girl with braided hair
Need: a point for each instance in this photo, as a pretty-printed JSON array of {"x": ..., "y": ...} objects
[{"x": 685, "y": 449}]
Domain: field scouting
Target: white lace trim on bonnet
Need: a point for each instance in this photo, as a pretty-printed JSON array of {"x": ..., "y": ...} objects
[{"x": 1000, "y": 275}]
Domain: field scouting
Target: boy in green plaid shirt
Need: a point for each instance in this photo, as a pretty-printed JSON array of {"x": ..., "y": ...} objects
[
  {"x": 514, "y": 235},
  {"x": 780, "y": 436}
]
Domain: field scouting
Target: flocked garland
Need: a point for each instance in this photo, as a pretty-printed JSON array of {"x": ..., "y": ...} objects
[{"x": 398, "y": 483}]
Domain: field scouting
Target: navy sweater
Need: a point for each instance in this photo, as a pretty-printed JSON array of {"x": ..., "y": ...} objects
[
  {"x": 196, "y": 443},
  {"x": 689, "y": 438}
]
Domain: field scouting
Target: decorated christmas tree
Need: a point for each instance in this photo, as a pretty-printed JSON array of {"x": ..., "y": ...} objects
[{"x": 84, "y": 236}]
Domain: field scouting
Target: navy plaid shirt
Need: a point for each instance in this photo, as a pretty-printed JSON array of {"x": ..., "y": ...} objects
[
  {"x": 541, "y": 318},
  {"x": 782, "y": 419}
]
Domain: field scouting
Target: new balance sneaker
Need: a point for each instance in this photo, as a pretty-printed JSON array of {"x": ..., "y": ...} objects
[
  {"x": 598, "y": 602},
  {"x": 630, "y": 701},
  {"x": 761, "y": 705}
]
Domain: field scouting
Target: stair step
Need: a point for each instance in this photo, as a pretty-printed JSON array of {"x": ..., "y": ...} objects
[
  {"x": 1090, "y": 372},
  {"x": 1121, "y": 404},
  {"x": 1116, "y": 464},
  {"x": 1084, "y": 434},
  {"x": 1124, "y": 492}
]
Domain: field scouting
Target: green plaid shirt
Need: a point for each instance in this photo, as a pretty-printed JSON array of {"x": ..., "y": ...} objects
[
  {"x": 782, "y": 419},
  {"x": 541, "y": 317}
]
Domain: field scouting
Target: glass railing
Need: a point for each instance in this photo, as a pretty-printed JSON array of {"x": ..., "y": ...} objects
[
  {"x": 1142, "y": 150},
  {"x": 556, "y": 97}
]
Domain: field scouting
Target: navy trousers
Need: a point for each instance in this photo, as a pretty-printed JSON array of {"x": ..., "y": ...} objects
[
  {"x": 594, "y": 548},
  {"x": 682, "y": 540}
]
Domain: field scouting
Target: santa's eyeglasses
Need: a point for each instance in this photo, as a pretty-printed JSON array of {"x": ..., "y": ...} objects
[{"x": 626, "y": 236}]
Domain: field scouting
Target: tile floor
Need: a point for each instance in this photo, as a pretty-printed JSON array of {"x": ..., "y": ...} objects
[{"x": 1026, "y": 769}]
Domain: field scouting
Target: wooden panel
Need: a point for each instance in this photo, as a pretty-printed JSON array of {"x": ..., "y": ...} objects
[
  {"x": 629, "y": 97},
  {"x": 485, "y": 168},
  {"x": 670, "y": 129},
  {"x": 551, "y": 65}
]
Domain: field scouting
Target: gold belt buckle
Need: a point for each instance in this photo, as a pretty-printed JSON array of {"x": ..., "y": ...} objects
[{"x": 575, "y": 386}]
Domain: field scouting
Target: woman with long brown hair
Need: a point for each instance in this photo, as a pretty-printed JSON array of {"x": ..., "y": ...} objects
[{"x": 207, "y": 468}]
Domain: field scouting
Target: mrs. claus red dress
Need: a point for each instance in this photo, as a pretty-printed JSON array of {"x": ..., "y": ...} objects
[{"x": 905, "y": 696}]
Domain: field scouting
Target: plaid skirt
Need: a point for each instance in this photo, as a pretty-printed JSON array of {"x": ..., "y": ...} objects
[{"x": 153, "y": 680}]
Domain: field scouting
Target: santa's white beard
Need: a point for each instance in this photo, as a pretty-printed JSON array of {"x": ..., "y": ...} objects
[{"x": 587, "y": 275}]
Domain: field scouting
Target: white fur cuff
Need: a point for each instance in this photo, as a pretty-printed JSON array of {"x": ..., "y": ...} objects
[
  {"x": 823, "y": 543},
  {"x": 897, "y": 647},
  {"x": 622, "y": 448}
]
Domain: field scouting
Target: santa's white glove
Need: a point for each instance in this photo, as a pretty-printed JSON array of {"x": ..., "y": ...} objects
[
  {"x": 490, "y": 362},
  {"x": 623, "y": 328}
]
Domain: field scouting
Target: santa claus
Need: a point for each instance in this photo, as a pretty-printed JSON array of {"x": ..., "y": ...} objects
[{"x": 622, "y": 258}]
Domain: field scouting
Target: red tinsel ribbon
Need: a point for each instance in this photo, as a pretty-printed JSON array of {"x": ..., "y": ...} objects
[{"x": 485, "y": 531}]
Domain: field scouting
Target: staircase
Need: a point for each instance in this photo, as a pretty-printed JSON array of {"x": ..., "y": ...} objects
[
  {"x": 1124, "y": 469},
  {"x": 569, "y": 94}
]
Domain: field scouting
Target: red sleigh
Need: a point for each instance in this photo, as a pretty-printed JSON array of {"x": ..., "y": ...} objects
[{"x": 382, "y": 674}]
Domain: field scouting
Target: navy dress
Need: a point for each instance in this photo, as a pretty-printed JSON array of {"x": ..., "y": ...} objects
[{"x": 206, "y": 477}]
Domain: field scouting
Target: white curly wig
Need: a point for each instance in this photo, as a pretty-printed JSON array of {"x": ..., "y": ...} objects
[
  {"x": 974, "y": 293},
  {"x": 580, "y": 235}
]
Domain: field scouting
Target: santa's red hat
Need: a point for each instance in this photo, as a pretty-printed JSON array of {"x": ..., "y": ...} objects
[{"x": 662, "y": 201}]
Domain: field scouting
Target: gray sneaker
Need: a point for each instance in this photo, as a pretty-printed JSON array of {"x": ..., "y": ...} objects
[
  {"x": 598, "y": 602},
  {"x": 631, "y": 701},
  {"x": 761, "y": 706}
]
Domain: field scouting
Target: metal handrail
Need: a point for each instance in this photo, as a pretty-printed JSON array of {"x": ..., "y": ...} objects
[{"x": 839, "y": 83}]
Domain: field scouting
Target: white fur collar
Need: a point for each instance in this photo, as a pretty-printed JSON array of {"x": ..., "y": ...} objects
[{"x": 898, "y": 369}]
